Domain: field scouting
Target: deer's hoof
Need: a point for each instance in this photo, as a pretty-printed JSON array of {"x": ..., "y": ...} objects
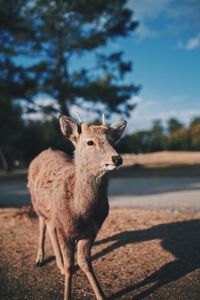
[
  {"x": 40, "y": 263},
  {"x": 62, "y": 271}
]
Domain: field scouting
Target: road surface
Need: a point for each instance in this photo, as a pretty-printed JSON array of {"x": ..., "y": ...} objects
[{"x": 172, "y": 193}]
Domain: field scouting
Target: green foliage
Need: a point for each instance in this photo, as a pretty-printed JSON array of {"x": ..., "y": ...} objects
[
  {"x": 177, "y": 137},
  {"x": 156, "y": 138},
  {"x": 180, "y": 139},
  {"x": 185, "y": 138},
  {"x": 11, "y": 128},
  {"x": 38, "y": 44},
  {"x": 135, "y": 143},
  {"x": 38, "y": 135},
  {"x": 22, "y": 141},
  {"x": 15, "y": 29},
  {"x": 57, "y": 33},
  {"x": 173, "y": 125},
  {"x": 195, "y": 134},
  {"x": 195, "y": 122}
]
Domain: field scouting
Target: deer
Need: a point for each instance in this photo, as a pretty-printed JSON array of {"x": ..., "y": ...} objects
[{"x": 69, "y": 195}]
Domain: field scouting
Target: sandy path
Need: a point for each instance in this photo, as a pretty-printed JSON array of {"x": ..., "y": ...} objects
[{"x": 139, "y": 254}]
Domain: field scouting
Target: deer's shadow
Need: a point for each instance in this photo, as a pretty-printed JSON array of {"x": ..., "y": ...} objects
[{"x": 179, "y": 238}]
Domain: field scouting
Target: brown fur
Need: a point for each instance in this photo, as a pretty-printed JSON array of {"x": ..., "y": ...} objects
[{"x": 70, "y": 197}]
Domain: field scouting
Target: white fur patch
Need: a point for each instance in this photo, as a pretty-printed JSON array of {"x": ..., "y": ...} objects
[{"x": 110, "y": 167}]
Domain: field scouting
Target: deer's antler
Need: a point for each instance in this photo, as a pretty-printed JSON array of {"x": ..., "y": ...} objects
[
  {"x": 79, "y": 118},
  {"x": 103, "y": 119}
]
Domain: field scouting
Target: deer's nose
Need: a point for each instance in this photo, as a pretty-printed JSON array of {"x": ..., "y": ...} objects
[{"x": 117, "y": 160}]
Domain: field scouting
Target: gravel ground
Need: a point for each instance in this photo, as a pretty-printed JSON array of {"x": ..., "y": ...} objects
[{"x": 139, "y": 254}]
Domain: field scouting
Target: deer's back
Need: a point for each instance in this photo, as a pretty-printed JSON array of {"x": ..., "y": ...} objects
[{"x": 47, "y": 175}]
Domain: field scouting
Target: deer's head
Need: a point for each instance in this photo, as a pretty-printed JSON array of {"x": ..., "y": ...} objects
[{"x": 94, "y": 143}]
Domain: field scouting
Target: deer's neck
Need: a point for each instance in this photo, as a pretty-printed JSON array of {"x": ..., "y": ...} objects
[{"x": 90, "y": 191}]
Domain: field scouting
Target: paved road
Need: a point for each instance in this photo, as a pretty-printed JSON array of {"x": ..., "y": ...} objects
[
  {"x": 173, "y": 193},
  {"x": 180, "y": 194}
]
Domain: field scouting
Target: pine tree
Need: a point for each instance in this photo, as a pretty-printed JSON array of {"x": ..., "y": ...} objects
[{"x": 67, "y": 29}]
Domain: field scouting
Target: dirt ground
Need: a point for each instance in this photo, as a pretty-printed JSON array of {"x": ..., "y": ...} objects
[{"x": 139, "y": 254}]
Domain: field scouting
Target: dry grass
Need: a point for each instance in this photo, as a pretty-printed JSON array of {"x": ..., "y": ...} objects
[{"x": 164, "y": 158}]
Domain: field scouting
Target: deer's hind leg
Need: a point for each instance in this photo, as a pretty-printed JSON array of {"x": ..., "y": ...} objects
[
  {"x": 84, "y": 261},
  {"x": 41, "y": 241},
  {"x": 56, "y": 247}
]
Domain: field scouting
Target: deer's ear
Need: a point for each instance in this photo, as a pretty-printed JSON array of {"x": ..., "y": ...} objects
[
  {"x": 116, "y": 130},
  {"x": 69, "y": 128}
]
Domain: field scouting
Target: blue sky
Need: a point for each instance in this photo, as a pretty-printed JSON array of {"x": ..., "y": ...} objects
[{"x": 165, "y": 50}]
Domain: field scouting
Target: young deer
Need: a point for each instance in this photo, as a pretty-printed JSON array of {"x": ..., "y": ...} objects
[{"x": 70, "y": 196}]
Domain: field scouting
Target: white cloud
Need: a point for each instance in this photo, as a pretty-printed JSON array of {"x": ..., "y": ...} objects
[
  {"x": 149, "y": 110},
  {"x": 145, "y": 32},
  {"x": 185, "y": 115},
  {"x": 143, "y": 115},
  {"x": 166, "y": 17},
  {"x": 141, "y": 118},
  {"x": 148, "y": 9},
  {"x": 191, "y": 44},
  {"x": 38, "y": 114}
]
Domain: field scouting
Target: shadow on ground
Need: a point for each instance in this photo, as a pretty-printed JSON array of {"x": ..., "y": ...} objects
[{"x": 180, "y": 238}]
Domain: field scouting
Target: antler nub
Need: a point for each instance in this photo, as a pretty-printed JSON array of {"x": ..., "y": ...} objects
[
  {"x": 79, "y": 118},
  {"x": 103, "y": 119}
]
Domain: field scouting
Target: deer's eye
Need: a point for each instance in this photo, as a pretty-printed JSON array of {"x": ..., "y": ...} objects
[{"x": 90, "y": 143}]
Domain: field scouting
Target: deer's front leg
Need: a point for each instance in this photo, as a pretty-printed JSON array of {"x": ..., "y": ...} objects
[
  {"x": 67, "y": 249},
  {"x": 84, "y": 261}
]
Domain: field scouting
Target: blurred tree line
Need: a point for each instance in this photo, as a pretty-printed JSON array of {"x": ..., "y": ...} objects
[
  {"x": 175, "y": 137},
  {"x": 29, "y": 138}
]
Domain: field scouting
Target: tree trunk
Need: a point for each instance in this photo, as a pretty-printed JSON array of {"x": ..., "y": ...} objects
[
  {"x": 3, "y": 160},
  {"x": 64, "y": 108}
]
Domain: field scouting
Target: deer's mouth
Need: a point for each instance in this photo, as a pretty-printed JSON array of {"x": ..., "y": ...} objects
[{"x": 110, "y": 167}]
